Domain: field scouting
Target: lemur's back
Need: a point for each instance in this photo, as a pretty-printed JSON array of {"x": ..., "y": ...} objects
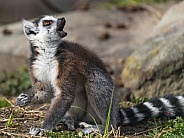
[{"x": 86, "y": 57}]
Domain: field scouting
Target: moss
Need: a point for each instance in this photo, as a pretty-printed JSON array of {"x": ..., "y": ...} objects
[
  {"x": 155, "y": 51},
  {"x": 124, "y": 3},
  {"x": 131, "y": 70},
  {"x": 14, "y": 83},
  {"x": 4, "y": 103}
]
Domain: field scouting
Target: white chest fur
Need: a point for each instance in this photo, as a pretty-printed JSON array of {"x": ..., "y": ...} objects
[{"x": 46, "y": 66}]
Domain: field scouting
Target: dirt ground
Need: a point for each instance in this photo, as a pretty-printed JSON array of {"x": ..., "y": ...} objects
[
  {"x": 16, "y": 122},
  {"x": 21, "y": 121}
]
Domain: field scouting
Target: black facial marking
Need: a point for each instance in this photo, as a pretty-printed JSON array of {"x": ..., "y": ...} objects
[
  {"x": 31, "y": 32},
  {"x": 37, "y": 20},
  {"x": 28, "y": 31}
]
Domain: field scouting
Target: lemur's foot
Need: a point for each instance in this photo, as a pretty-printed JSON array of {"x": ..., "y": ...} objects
[
  {"x": 69, "y": 123},
  {"x": 36, "y": 131},
  {"x": 91, "y": 129},
  {"x": 23, "y": 100}
]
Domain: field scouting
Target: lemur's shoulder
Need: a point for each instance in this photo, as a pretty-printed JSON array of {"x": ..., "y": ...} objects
[
  {"x": 79, "y": 53},
  {"x": 77, "y": 49}
]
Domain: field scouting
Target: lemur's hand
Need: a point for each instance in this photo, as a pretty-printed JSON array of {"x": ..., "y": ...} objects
[
  {"x": 23, "y": 100},
  {"x": 39, "y": 85}
]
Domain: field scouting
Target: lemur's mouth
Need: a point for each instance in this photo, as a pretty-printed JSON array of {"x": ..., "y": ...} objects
[{"x": 60, "y": 25}]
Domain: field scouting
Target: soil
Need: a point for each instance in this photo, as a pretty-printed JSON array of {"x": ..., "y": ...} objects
[{"x": 16, "y": 122}]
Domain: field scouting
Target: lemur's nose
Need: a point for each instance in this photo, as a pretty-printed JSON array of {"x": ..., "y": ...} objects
[
  {"x": 61, "y": 18},
  {"x": 60, "y": 25}
]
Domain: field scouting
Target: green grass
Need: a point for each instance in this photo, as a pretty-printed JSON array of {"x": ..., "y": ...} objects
[
  {"x": 129, "y": 2},
  {"x": 10, "y": 123},
  {"x": 68, "y": 134},
  {"x": 122, "y": 3},
  {"x": 173, "y": 128},
  {"x": 139, "y": 100},
  {"x": 4, "y": 103},
  {"x": 12, "y": 84},
  {"x": 64, "y": 134},
  {"x": 106, "y": 132}
]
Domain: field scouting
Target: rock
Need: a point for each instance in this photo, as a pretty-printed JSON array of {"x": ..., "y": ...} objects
[
  {"x": 157, "y": 67},
  {"x": 122, "y": 25},
  {"x": 82, "y": 27},
  {"x": 7, "y": 32},
  {"x": 103, "y": 35}
]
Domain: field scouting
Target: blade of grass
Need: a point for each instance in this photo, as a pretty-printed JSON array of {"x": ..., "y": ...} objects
[
  {"x": 9, "y": 122},
  {"x": 108, "y": 117}
]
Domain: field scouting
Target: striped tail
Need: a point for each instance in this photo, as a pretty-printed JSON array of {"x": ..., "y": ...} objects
[{"x": 167, "y": 106}]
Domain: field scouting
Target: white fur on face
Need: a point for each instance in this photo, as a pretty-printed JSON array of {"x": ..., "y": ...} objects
[
  {"x": 48, "y": 33},
  {"x": 43, "y": 34}
]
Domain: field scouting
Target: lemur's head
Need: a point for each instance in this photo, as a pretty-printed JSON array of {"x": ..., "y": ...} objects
[{"x": 45, "y": 28}]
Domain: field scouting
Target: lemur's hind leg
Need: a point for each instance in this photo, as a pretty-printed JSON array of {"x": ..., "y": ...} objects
[
  {"x": 69, "y": 122},
  {"x": 99, "y": 89},
  {"x": 77, "y": 111}
]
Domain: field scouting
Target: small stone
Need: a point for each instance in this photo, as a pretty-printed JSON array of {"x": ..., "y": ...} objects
[
  {"x": 123, "y": 25},
  {"x": 7, "y": 32},
  {"x": 108, "y": 25},
  {"x": 103, "y": 35}
]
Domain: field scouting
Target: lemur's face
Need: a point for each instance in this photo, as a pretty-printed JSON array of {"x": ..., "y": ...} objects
[{"x": 45, "y": 28}]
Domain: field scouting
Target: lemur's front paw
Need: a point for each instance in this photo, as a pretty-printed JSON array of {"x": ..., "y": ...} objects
[
  {"x": 37, "y": 131},
  {"x": 23, "y": 100},
  {"x": 39, "y": 85}
]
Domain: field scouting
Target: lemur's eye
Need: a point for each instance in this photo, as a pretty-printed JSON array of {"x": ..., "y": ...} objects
[{"x": 47, "y": 23}]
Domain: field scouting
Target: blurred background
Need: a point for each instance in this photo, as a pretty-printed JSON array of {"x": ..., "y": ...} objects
[
  {"x": 14, "y": 11},
  {"x": 116, "y": 30},
  {"x": 140, "y": 41}
]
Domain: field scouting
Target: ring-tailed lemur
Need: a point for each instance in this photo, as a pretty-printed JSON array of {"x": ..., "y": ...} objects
[{"x": 78, "y": 83}]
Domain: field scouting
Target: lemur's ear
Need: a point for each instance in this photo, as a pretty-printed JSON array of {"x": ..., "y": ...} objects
[{"x": 29, "y": 29}]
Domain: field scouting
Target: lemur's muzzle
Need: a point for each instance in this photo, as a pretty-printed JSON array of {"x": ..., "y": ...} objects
[{"x": 60, "y": 25}]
